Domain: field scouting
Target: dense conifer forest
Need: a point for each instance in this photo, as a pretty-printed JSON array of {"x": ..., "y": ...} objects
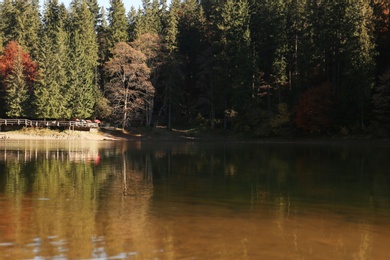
[{"x": 262, "y": 67}]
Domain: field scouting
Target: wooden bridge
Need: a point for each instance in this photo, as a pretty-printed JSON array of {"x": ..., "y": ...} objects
[{"x": 72, "y": 125}]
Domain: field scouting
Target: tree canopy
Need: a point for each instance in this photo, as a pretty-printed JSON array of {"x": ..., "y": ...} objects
[{"x": 235, "y": 65}]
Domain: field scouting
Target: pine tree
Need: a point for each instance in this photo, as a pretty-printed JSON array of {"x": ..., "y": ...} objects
[
  {"x": 295, "y": 27},
  {"x": 381, "y": 105},
  {"x": 48, "y": 96},
  {"x": 16, "y": 91},
  {"x": 20, "y": 21},
  {"x": 8, "y": 21},
  {"x": 170, "y": 92},
  {"x": 132, "y": 18},
  {"x": 191, "y": 44},
  {"x": 150, "y": 20},
  {"x": 51, "y": 89},
  {"x": 103, "y": 48},
  {"x": 18, "y": 73},
  {"x": 95, "y": 9},
  {"x": 117, "y": 23},
  {"x": 360, "y": 54},
  {"x": 234, "y": 66},
  {"x": 381, "y": 18},
  {"x": 172, "y": 31},
  {"x": 82, "y": 72}
]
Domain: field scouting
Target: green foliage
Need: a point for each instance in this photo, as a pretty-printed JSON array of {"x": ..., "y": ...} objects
[
  {"x": 20, "y": 21},
  {"x": 360, "y": 52},
  {"x": 381, "y": 105},
  {"x": 16, "y": 90},
  {"x": 255, "y": 58},
  {"x": 150, "y": 19},
  {"x": 102, "y": 108},
  {"x": 51, "y": 88},
  {"x": 117, "y": 23},
  {"x": 82, "y": 85},
  {"x": 282, "y": 118}
]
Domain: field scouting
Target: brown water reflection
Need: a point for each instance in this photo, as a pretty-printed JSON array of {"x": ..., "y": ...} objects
[{"x": 111, "y": 200}]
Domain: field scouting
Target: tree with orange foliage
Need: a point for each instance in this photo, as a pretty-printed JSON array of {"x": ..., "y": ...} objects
[
  {"x": 129, "y": 90},
  {"x": 17, "y": 74},
  {"x": 314, "y": 109}
]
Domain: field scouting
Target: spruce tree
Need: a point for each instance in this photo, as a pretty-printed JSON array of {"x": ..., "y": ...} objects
[
  {"x": 103, "y": 48},
  {"x": 16, "y": 91},
  {"x": 8, "y": 21},
  {"x": 117, "y": 23},
  {"x": 51, "y": 89},
  {"x": 18, "y": 75},
  {"x": 234, "y": 66},
  {"x": 82, "y": 71},
  {"x": 381, "y": 105},
  {"x": 150, "y": 19},
  {"x": 20, "y": 21},
  {"x": 172, "y": 31},
  {"x": 191, "y": 44},
  {"x": 360, "y": 54},
  {"x": 95, "y": 9},
  {"x": 132, "y": 17},
  {"x": 169, "y": 92}
]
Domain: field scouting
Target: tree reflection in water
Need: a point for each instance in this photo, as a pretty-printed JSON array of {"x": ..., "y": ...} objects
[
  {"x": 63, "y": 199},
  {"x": 83, "y": 199}
]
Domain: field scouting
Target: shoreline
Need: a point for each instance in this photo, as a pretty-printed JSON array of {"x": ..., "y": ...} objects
[
  {"x": 53, "y": 135},
  {"x": 161, "y": 134}
]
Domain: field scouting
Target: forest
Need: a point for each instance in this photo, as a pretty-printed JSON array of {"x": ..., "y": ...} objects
[{"x": 258, "y": 67}]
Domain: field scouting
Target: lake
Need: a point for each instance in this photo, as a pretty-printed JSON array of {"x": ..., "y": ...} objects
[{"x": 159, "y": 200}]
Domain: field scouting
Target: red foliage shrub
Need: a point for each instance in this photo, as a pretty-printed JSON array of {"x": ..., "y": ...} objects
[
  {"x": 7, "y": 61},
  {"x": 314, "y": 109}
]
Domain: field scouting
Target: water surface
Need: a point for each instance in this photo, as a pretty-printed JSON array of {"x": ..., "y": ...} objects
[{"x": 144, "y": 200}]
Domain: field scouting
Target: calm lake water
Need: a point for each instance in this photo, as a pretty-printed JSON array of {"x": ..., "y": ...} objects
[{"x": 145, "y": 200}]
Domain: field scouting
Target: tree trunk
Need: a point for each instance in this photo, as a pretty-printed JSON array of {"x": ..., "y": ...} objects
[{"x": 125, "y": 108}]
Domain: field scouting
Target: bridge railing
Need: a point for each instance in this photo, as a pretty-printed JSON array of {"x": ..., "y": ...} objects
[{"x": 48, "y": 123}]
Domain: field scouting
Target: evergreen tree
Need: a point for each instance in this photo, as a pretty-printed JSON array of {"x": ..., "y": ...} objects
[
  {"x": 20, "y": 21},
  {"x": 360, "y": 54},
  {"x": 270, "y": 51},
  {"x": 191, "y": 45},
  {"x": 103, "y": 47},
  {"x": 381, "y": 18},
  {"x": 132, "y": 21},
  {"x": 95, "y": 9},
  {"x": 82, "y": 71},
  {"x": 8, "y": 21},
  {"x": 51, "y": 89},
  {"x": 16, "y": 90},
  {"x": 381, "y": 105},
  {"x": 117, "y": 23},
  {"x": 150, "y": 20},
  {"x": 172, "y": 31},
  {"x": 169, "y": 92},
  {"x": 47, "y": 94},
  {"x": 234, "y": 65},
  {"x": 295, "y": 28},
  {"x": 18, "y": 74}
]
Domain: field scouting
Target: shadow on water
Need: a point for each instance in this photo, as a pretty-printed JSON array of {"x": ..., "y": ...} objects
[{"x": 143, "y": 200}]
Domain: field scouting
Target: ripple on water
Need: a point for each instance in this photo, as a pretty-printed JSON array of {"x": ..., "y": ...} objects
[{"x": 6, "y": 244}]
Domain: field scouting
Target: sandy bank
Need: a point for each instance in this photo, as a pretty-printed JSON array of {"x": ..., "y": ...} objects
[{"x": 53, "y": 135}]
